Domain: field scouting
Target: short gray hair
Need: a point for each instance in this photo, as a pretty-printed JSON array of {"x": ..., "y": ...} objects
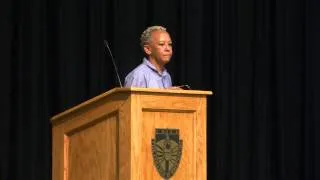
[{"x": 146, "y": 35}]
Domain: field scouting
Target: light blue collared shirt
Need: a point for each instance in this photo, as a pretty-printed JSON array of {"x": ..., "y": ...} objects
[{"x": 146, "y": 75}]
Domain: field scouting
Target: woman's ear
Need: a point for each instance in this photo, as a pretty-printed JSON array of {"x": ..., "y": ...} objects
[{"x": 147, "y": 49}]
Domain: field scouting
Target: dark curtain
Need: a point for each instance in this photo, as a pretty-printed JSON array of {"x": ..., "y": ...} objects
[{"x": 259, "y": 57}]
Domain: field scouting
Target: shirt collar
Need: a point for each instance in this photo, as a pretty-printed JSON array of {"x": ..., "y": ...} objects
[{"x": 151, "y": 66}]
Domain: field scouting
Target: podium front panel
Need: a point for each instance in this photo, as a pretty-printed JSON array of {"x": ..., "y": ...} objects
[{"x": 185, "y": 114}]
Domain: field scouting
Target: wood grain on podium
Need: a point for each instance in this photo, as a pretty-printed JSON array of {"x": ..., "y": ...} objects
[{"x": 109, "y": 136}]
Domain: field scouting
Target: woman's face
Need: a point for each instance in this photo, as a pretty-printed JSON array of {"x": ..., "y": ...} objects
[{"x": 160, "y": 47}]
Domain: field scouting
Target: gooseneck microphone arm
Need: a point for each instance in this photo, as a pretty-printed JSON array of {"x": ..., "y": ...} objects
[{"x": 113, "y": 61}]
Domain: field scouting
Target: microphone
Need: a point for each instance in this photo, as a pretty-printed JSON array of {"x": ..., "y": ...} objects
[{"x": 113, "y": 61}]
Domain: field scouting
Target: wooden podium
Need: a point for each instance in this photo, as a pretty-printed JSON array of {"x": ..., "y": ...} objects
[{"x": 116, "y": 136}]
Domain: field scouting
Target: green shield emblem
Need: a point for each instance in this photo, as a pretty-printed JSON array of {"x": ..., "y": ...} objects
[{"x": 166, "y": 151}]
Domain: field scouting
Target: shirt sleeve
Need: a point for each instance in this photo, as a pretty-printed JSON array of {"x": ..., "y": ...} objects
[
  {"x": 135, "y": 80},
  {"x": 169, "y": 83}
]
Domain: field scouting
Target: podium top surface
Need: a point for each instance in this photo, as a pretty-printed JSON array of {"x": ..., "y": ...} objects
[
  {"x": 134, "y": 90},
  {"x": 153, "y": 90}
]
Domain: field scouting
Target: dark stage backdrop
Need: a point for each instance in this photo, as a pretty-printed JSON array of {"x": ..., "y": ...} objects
[{"x": 260, "y": 57}]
